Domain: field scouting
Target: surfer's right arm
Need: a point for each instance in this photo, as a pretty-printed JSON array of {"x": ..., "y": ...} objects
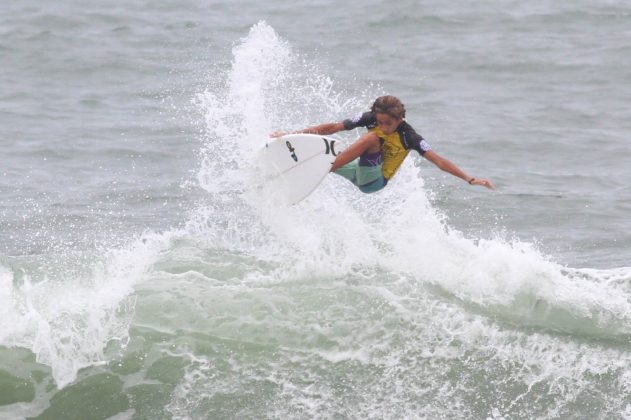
[{"x": 322, "y": 129}]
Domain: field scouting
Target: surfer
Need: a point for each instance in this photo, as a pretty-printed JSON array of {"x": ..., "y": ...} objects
[{"x": 373, "y": 159}]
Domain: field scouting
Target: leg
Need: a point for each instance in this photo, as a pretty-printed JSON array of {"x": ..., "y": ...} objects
[
  {"x": 365, "y": 172},
  {"x": 369, "y": 143},
  {"x": 348, "y": 171}
]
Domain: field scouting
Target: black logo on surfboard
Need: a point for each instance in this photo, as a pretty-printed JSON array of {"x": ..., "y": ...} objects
[
  {"x": 330, "y": 146},
  {"x": 292, "y": 151}
]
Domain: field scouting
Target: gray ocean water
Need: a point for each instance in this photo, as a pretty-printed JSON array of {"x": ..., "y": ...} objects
[{"x": 141, "y": 277}]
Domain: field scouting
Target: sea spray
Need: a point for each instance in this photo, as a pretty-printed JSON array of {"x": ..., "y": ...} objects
[
  {"x": 69, "y": 322},
  {"x": 382, "y": 287},
  {"x": 346, "y": 305},
  {"x": 398, "y": 229}
]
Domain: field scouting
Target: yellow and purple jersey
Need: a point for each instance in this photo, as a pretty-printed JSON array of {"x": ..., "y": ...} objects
[{"x": 396, "y": 146}]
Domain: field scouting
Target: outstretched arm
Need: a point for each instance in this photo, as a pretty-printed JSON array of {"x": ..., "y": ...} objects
[
  {"x": 322, "y": 129},
  {"x": 447, "y": 166}
]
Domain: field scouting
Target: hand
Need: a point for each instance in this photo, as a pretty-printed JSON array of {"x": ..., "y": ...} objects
[
  {"x": 484, "y": 182},
  {"x": 276, "y": 134}
]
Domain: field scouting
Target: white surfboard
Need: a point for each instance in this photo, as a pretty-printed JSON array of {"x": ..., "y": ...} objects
[{"x": 294, "y": 165}]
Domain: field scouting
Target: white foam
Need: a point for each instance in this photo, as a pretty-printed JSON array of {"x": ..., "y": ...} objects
[
  {"x": 381, "y": 284},
  {"x": 69, "y": 323},
  {"x": 338, "y": 229}
]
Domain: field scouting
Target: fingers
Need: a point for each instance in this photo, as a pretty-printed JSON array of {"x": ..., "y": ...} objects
[
  {"x": 279, "y": 134},
  {"x": 484, "y": 182}
]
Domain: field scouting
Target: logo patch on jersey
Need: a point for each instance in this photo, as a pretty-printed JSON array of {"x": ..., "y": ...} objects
[
  {"x": 425, "y": 147},
  {"x": 357, "y": 117}
]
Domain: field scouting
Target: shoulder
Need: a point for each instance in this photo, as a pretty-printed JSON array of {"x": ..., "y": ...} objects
[
  {"x": 408, "y": 130},
  {"x": 411, "y": 139},
  {"x": 363, "y": 119}
]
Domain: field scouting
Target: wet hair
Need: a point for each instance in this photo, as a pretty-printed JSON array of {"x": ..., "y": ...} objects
[{"x": 389, "y": 105}]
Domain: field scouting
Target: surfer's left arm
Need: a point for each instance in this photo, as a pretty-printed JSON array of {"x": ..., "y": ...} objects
[{"x": 448, "y": 166}]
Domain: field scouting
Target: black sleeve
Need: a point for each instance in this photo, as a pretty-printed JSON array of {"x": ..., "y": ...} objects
[
  {"x": 421, "y": 145},
  {"x": 413, "y": 140},
  {"x": 359, "y": 120}
]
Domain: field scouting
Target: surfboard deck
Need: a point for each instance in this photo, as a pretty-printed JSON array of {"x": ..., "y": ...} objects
[{"x": 295, "y": 164}]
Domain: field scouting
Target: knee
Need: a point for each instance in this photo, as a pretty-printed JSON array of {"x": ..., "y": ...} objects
[
  {"x": 366, "y": 190},
  {"x": 372, "y": 142},
  {"x": 373, "y": 187}
]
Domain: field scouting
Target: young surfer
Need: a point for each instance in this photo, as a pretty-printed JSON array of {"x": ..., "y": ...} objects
[{"x": 383, "y": 148}]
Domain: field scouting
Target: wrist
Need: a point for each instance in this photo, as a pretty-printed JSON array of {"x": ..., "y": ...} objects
[{"x": 470, "y": 181}]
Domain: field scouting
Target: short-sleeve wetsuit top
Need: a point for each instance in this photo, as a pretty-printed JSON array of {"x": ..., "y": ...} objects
[{"x": 396, "y": 146}]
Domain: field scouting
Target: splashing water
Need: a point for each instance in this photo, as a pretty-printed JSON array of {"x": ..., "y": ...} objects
[
  {"x": 68, "y": 322},
  {"x": 453, "y": 301},
  {"x": 397, "y": 230},
  {"x": 346, "y": 304}
]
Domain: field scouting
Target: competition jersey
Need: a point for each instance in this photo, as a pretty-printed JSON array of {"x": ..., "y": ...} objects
[{"x": 396, "y": 146}]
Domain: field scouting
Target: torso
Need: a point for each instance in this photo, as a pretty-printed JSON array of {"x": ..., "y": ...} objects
[
  {"x": 392, "y": 150},
  {"x": 395, "y": 146}
]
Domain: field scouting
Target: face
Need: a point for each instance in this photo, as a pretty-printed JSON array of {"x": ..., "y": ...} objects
[{"x": 388, "y": 124}]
